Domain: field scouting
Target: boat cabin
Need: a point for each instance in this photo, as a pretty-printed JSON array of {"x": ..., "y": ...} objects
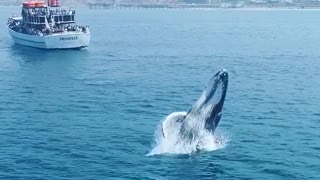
[{"x": 38, "y": 13}]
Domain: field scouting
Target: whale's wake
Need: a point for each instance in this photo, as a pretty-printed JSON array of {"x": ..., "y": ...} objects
[{"x": 177, "y": 144}]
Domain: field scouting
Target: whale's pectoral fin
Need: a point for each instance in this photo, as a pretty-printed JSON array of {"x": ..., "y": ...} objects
[{"x": 171, "y": 125}]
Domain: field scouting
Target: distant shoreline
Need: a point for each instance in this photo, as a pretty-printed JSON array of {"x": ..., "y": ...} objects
[
  {"x": 264, "y": 6},
  {"x": 189, "y": 8}
]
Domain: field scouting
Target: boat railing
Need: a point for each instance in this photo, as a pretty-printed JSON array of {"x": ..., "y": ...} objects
[
  {"x": 77, "y": 28},
  {"x": 45, "y": 11},
  {"x": 20, "y": 27},
  {"x": 61, "y": 12}
]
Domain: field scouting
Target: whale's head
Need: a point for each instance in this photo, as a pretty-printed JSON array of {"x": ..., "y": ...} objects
[
  {"x": 210, "y": 103},
  {"x": 215, "y": 94}
]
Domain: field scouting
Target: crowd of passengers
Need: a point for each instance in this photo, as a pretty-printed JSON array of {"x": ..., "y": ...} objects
[
  {"x": 43, "y": 12},
  {"x": 19, "y": 27},
  {"x": 70, "y": 28},
  {"x": 43, "y": 30}
]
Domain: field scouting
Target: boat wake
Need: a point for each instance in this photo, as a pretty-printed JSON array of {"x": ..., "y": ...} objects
[{"x": 177, "y": 144}]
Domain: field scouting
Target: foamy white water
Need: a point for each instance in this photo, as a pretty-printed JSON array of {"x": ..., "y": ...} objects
[{"x": 170, "y": 142}]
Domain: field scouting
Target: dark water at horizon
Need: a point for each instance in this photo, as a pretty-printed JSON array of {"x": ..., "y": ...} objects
[{"x": 92, "y": 114}]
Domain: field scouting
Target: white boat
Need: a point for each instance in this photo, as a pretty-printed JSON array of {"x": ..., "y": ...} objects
[{"x": 48, "y": 27}]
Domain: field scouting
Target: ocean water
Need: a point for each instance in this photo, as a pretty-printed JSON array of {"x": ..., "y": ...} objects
[{"x": 93, "y": 114}]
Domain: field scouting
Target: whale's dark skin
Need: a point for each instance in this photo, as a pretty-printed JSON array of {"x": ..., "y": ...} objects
[{"x": 206, "y": 112}]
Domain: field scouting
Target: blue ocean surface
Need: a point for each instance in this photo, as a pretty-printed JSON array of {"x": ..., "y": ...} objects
[{"x": 93, "y": 113}]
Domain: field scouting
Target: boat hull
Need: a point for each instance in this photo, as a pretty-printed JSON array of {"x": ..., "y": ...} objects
[{"x": 64, "y": 40}]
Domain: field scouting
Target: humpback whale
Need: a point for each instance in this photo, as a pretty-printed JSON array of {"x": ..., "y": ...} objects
[{"x": 203, "y": 116}]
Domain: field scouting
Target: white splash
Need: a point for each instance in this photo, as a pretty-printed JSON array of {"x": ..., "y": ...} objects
[{"x": 174, "y": 142}]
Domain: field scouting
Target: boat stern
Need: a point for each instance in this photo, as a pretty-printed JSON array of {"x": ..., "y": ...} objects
[{"x": 68, "y": 40}]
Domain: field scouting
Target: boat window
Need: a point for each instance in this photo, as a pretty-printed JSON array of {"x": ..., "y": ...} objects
[
  {"x": 67, "y": 18},
  {"x": 42, "y": 20}
]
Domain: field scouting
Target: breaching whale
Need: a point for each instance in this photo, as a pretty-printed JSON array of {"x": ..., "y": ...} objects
[{"x": 204, "y": 115}]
